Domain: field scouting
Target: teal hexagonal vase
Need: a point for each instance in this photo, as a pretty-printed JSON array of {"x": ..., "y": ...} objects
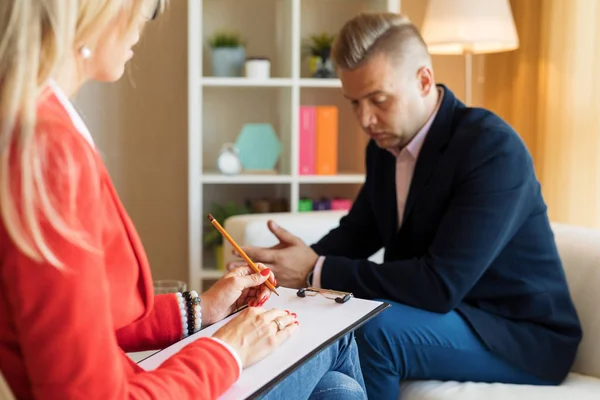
[{"x": 259, "y": 147}]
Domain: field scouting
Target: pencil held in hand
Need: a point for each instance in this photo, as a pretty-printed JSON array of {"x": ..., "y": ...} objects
[{"x": 239, "y": 250}]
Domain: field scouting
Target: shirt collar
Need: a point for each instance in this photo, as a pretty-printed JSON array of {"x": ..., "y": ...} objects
[
  {"x": 414, "y": 146},
  {"x": 76, "y": 119}
]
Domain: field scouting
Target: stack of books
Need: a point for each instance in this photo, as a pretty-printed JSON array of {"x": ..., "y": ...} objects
[
  {"x": 318, "y": 140},
  {"x": 322, "y": 204}
]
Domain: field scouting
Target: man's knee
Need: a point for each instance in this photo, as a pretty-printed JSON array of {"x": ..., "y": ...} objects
[
  {"x": 375, "y": 332},
  {"x": 388, "y": 333}
]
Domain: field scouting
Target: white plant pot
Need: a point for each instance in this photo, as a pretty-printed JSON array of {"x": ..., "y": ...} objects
[{"x": 258, "y": 68}]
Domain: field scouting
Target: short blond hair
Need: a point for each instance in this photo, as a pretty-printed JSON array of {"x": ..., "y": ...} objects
[{"x": 377, "y": 32}]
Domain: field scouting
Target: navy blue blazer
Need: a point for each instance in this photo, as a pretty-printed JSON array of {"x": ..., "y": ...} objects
[{"x": 475, "y": 238}]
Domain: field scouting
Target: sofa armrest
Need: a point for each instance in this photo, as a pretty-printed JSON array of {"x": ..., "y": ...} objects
[{"x": 252, "y": 229}]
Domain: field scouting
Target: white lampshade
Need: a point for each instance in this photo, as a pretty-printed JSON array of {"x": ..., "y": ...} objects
[{"x": 478, "y": 26}]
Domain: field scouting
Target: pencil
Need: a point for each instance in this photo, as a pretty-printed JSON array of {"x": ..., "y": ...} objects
[{"x": 239, "y": 250}]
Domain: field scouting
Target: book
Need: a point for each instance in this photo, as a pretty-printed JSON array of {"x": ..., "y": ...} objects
[
  {"x": 327, "y": 140},
  {"x": 307, "y": 140}
]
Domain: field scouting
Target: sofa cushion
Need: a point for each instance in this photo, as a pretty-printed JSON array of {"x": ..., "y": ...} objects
[
  {"x": 258, "y": 234},
  {"x": 580, "y": 252},
  {"x": 576, "y": 386},
  {"x": 252, "y": 230}
]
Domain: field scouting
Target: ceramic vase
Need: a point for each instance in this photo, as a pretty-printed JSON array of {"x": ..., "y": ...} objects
[{"x": 228, "y": 61}]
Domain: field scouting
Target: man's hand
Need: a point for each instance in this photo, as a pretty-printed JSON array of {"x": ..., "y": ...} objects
[{"x": 291, "y": 260}]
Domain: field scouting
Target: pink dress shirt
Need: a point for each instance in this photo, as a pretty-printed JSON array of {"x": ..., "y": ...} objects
[{"x": 405, "y": 167}]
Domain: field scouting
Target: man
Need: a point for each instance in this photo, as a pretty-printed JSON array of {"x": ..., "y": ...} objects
[{"x": 471, "y": 267}]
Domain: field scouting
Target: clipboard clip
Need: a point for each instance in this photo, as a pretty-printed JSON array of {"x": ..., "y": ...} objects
[{"x": 337, "y": 296}]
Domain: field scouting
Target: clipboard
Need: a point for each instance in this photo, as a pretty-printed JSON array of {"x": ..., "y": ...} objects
[{"x": 322, "y": 322}]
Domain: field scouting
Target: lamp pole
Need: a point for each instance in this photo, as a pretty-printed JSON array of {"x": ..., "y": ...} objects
[{"x": 468, "y": 75}]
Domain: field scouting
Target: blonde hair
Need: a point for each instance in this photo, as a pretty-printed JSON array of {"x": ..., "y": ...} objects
[
  {"x": 5, "y": 392},
  {"x": 36, "y": 38},
  {"x": 373, "y": 33}
]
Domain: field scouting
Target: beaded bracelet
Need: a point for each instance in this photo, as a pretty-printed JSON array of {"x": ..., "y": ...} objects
[{"x": 191, "y": 312}]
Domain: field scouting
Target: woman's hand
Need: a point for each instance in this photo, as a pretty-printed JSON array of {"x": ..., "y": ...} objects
[
  {"x": 254, "y": 334},
  {"x": 239, "y": 287}
]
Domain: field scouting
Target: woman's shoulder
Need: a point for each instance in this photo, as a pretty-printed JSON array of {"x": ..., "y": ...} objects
[
  {"x": 54, "y": 123},
  {"x": 56, "y": 151},
  {"x": 58, "y": 140}
]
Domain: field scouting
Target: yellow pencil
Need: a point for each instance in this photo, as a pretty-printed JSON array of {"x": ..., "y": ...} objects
[{"x": 239, "y": 250}]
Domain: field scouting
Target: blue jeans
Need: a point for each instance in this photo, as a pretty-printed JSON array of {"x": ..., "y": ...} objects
[
  {"x": 406, "y": 343},
  {"x": 334, "y": 373}
]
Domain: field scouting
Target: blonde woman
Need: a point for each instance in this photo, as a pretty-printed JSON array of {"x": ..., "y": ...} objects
[{"x": 75, "y": 285}]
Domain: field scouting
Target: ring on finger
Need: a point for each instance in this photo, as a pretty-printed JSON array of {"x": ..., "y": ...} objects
[{"x": 279, "y": 324}]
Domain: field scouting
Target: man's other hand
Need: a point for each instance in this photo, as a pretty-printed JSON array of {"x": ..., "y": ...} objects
[{"x": 291, "y": 260}]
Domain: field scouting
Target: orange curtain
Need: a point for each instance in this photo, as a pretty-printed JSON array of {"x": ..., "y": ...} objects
[{"x": 549, "y": 90}]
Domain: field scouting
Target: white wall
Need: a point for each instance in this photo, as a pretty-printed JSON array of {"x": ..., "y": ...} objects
[
  {"x": 450, "y": 70},
  {"x": 139, "y": 125}
]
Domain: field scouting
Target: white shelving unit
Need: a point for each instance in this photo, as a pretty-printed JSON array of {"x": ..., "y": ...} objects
[{"x": 218, "y": 107}]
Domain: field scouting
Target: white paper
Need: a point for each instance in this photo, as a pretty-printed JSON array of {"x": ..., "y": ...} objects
[{"x": 320, "y": 319}]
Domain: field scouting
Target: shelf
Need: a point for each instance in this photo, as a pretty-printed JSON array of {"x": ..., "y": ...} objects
[
  {"x": 244, "y": 82},
  {"x": 217, "y": 178},
  {"x": 209, "y": 81},
  {"x": 227, "y": 109},
  {"x": 316, "y": 83},
  {"x": 319, "y": 16},
  {"x": 352, "y": 141},
  {"x": 219, "y": 108},
  {"x": 341, "y": 178},
  {"x": 323, "y": 189},
  {"x": 270, "y": 38}
]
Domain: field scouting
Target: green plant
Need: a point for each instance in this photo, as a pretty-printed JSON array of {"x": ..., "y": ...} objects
[
  {"x": 319, "y": 43},
  {"x": 221, "y": 212},
  {"x": 226, "y": 39}
]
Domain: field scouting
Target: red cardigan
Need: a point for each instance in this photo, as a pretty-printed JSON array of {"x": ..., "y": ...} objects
[{"x": 64, "y": 333}]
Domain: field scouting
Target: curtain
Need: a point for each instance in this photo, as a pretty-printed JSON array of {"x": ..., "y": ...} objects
[{"x": 549, "y": 91}]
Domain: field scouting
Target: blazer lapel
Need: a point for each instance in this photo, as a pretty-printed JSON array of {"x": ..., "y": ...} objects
[
  {"x": 389, "y": 203},
  {"x": 432, "y": 149},
  {"x": 145, "y": 281}
]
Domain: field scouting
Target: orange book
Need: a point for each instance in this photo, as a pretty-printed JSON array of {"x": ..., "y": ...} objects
[{"x": 327, "y": 140}]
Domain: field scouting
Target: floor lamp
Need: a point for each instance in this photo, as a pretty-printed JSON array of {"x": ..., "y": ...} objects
[{"x": 469, "y": 27}]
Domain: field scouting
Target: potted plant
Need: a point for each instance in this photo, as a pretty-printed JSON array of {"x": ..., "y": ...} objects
[
  {"x": 212, "y": 237},
  {"x": 228, "y": 54},
  {"x": 318, "y": 49}
]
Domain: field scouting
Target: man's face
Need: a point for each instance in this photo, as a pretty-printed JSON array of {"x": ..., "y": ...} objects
[{"x": 387, "y": 99}]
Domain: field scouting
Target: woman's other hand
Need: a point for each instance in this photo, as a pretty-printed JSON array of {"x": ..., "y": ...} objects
[
  {"x": 254, "y": 333},
  {"x": 237, "y": 288}
]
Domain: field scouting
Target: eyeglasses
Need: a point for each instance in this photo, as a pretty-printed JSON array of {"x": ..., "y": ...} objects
[
  {"x": 152, "y": 12},
  {"x": 339, "y": 297}
]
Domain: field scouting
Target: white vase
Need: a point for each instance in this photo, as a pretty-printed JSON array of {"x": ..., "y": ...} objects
[{"x": 258, "y": 68}]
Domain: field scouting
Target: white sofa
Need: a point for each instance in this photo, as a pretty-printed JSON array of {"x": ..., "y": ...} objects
[{"x": 580, "y": 251}]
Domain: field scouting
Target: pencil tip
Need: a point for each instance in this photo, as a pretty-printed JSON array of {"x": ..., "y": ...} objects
[{"x": 210, "y": 217}]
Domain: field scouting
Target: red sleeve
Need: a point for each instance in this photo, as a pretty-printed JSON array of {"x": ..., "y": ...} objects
[
  {"x": 161, "y": 328},
  {"x": 63, "y": 317}
]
